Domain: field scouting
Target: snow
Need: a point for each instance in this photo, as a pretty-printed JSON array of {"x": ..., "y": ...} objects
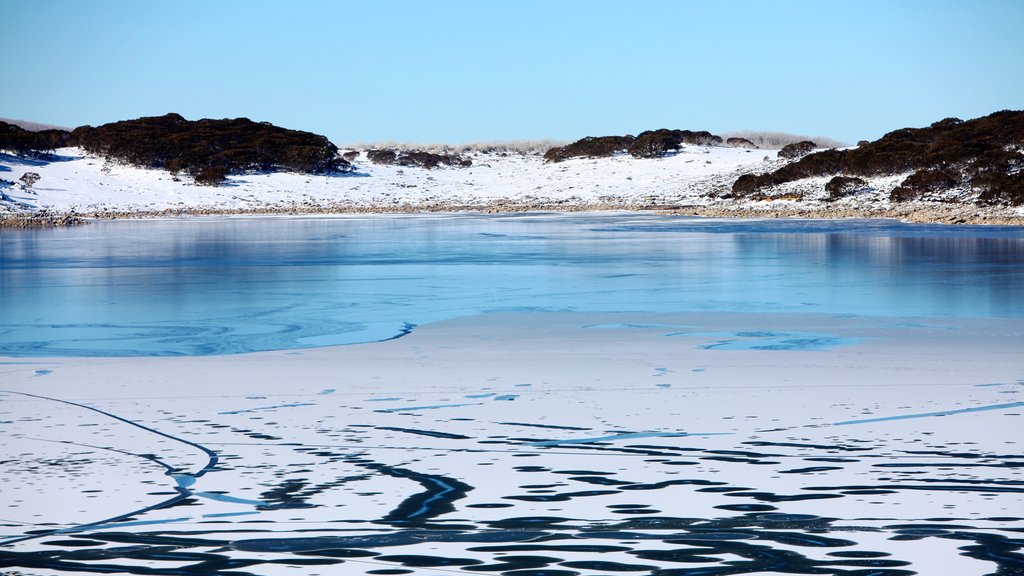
[
  {"x": 97, "y": 438},
  {"x": 86, "y": 184},
  {"x": 697, "y": 180}
]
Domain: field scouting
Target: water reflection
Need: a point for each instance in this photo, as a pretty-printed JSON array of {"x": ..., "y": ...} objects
[{"x": 232, "y": 285}]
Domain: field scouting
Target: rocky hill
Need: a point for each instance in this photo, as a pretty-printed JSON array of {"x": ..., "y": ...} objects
[{"x": 953, "y": 160}]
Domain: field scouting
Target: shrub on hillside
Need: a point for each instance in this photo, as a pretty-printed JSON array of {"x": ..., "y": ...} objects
[
  {"x": 211, "y": 176},
  {"x": 384, "y": 156},
  {"x": 903, "y": 194},
  {"x": 843, "y": 186},
  {"x": 797, "y": 149},
  {"x": 417, "y": 158},
  {"x": 740, "y": 143},
  {"x": 658, "y": 143},
  {"x": 999, "y": 188},
  {"x": 654, "y": 144},
  {"x": 998, "y": 176},
  {"x": 21, "y": 142},
  {"x": 824, "y": 163},
  {"x": 925, "y": 182},
  {"x": 590, "y": 147},
  {"x": 983, "y": 154},
  {"x": 210, "y": 147},
  {"x": 749, "y": 183}
]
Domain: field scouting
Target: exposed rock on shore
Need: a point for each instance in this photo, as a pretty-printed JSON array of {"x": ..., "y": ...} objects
[{"x": 40, "y": 220}]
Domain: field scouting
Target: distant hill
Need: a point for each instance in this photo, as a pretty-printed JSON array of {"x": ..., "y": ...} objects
[
  {"x": 982, "y": 157},
  {"x": 31, "y": 126}
]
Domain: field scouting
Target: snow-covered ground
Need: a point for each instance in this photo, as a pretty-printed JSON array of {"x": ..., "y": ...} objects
[
  {"x": 88, "y": 184},
  {"x": 697, "y": 180},
  {"x": 525, "y": 444}
]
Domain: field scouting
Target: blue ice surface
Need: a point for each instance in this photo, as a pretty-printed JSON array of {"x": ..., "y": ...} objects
[
  {"x": 203, "y": 286},
  {"x": 228, "y": 514},
  {"x": 482, "y": 395},
  {"x": 624, "y": 436},
  {"x": 382, "y": 399},
  {"x": 188, "y": 480},
  {"x": 778, "y": 341},
  {"x": 431, "y": 407},
  {"x": 931, "y": 414},
  {"x": 327, "y": 391},
  {"x": 274, "y": 407},
  {"x": 91, "y": 527},
  {"x": 633, "y": 326},
  {"x": 228, "y": 499},
  {"x": 506, "y": 397}
]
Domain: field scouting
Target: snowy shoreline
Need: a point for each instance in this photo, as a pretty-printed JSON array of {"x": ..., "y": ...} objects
[{"x": 696, "y": 181}]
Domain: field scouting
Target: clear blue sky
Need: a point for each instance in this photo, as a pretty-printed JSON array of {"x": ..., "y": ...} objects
[{"x": 459, "y": 71}]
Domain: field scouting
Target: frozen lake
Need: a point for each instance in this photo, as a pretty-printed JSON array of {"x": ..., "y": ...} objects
[
  {"x": 223, "y": 286},
  {"x": 529, "y": 395}
]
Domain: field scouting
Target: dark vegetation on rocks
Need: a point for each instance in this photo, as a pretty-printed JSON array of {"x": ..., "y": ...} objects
[
  {"x": 210, "y": 149},
  {"x": 737, "y": 142},
  {"x": 590, "y": 147},
  {"x": 648, "y": 144},
  {"x": 843, "y": 186},
  {"x": 17, "y": 140},
  {"x": 981, "y": 155},
  {"x": 416, "y": 158},
  {"x": 658, "y": 143},
  {"x": 797, "y": 149},
  {"x": 207, "y": 149}
]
